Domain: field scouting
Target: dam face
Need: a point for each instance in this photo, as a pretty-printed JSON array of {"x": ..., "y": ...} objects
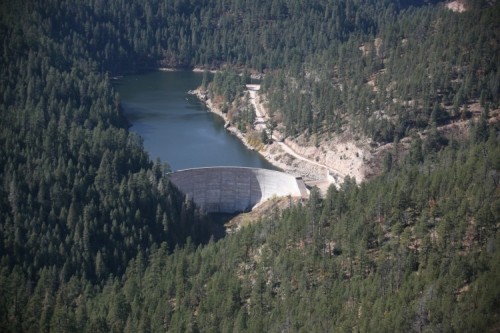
[{"x": 234, "y": 189}]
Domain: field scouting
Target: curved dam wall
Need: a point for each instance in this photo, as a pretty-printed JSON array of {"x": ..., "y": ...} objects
[{"x": 234, "y": 189}]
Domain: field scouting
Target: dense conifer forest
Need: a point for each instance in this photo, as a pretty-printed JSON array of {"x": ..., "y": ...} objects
[{"x": 94, "y": 238}]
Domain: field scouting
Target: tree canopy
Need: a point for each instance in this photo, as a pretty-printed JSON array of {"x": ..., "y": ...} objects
[{"x": 94, "y": 238}]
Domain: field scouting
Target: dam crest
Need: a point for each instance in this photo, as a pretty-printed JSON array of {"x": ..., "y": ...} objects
[{"x": 235, "y": 189}]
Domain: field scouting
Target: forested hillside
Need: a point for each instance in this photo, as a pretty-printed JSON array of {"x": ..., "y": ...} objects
[
  {"x": 378, "y": 68},
  {"x": 126, "y": 35},
  {"x": 415, "y": 250},
  {"x": 94, "y": 238},
  {"x": 420, "y": 67},
  {"x": 78, "y": 194}
]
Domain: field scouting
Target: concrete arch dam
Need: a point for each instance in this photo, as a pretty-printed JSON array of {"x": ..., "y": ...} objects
[{"x": 235, "y": 189}]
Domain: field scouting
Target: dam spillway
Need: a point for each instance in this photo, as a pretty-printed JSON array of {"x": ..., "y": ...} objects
[{"x": 235, "y": 189}]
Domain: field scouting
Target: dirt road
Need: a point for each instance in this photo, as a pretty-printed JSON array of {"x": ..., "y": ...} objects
[
  {"x": 261, "y": 119},
  {"x": 260, "y": 115}
]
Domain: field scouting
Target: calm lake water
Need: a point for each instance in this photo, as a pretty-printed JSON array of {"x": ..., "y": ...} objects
[{"x": 176, "y": 127}]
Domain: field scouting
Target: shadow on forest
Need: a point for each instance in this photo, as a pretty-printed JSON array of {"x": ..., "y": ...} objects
[{"x": 215, "y": 226}]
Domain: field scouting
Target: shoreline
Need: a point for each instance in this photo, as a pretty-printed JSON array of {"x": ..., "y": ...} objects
[
  {"x": 227, "y": 125},
  {"x": 194, "y": 69},
  {"x": 254, "y": 75},
  {"x": 318, "y": 165},
  {"x": 313, "y": 174},
  {"x": 322, "y": 160}
]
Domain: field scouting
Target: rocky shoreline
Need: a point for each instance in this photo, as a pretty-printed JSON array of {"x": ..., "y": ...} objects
[
  {"x": 313, "y": 175},
  {"x": 203, "y": 97}
]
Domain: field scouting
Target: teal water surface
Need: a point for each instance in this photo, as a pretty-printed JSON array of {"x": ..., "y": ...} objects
[{"x": 176, "y": 127}]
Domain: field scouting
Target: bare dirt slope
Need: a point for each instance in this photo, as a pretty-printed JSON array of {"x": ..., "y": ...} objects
[{"x": 456, "y": 6}]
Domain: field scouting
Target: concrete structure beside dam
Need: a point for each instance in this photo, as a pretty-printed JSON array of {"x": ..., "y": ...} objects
[{"x": 235, "y": 189}]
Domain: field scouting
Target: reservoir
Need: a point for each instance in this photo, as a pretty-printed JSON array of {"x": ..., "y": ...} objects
[{"x": 176, "y": 127}]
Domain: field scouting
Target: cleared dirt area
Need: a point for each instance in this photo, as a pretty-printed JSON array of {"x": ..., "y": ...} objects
[{"x": 456, "y": 6}]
